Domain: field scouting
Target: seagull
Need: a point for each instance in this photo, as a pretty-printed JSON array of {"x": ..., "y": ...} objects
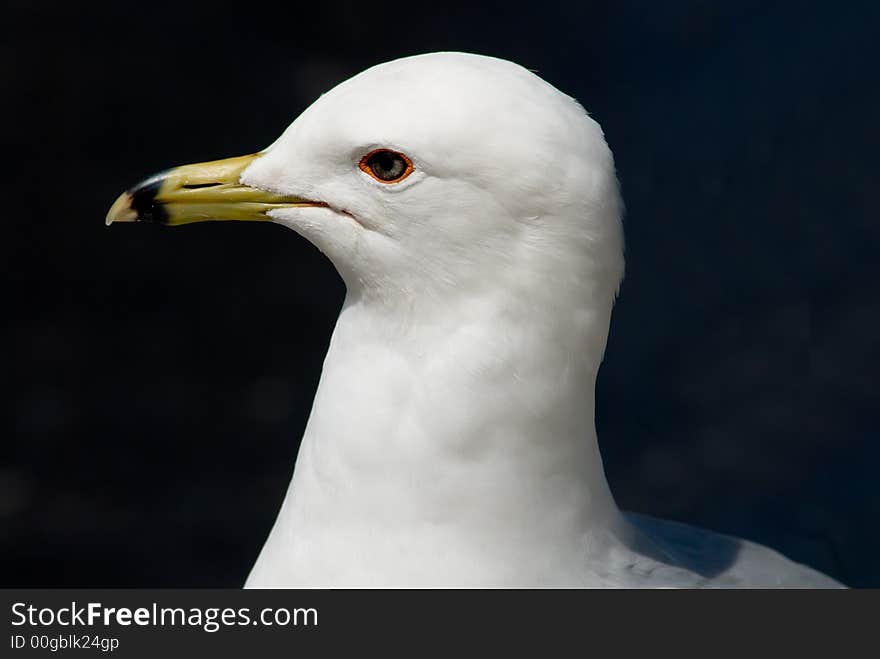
[{"x": 473, "y": 212}]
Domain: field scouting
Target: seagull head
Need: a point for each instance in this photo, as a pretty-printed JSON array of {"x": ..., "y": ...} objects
[{"x": 422, "y": 178}]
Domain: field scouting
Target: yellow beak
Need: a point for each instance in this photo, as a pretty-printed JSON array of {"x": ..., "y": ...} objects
[{"x": 200, "y": 193}]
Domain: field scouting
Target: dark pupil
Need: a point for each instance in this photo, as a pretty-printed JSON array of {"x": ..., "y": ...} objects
[{"x": 387, "y": 165}]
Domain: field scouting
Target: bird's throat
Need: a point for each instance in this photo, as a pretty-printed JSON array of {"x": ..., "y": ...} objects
[{"x": 446, "y": 437}]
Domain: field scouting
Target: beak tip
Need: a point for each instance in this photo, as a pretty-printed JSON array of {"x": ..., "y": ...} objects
[{"x": 121, "y": 210}]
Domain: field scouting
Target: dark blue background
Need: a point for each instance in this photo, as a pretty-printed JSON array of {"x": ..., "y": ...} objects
[{"x": 159, "y": 380}]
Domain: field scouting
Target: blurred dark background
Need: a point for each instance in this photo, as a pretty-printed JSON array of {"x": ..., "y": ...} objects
[{"x": 159, "y": 379}]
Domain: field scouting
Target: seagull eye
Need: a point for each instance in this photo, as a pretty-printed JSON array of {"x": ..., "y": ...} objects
[{"x": 386, "y": 165}]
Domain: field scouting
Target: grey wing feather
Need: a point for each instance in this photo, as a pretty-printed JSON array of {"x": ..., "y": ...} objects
[{"x": 713, "y": 560}]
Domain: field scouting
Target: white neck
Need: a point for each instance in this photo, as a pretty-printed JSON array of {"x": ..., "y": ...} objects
[{"x": 449, "y": 453}]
